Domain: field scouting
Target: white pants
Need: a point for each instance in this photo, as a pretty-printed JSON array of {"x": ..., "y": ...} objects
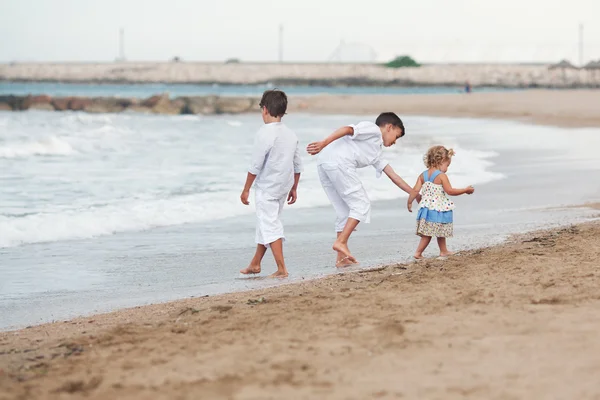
[
  {"x": 268, "y": 225},
  {"x": 346, "y": 193}
]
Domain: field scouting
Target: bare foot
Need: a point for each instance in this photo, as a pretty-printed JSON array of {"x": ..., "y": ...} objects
[
  {"x": 279, "y": 274},
  {"x": 344, "y": 262},
  {"x": 418, "y": 256},
  {"x": 446, "y": 254},
  {"x": 343, "y": 248},
  {"x": 252, "y": 269}
]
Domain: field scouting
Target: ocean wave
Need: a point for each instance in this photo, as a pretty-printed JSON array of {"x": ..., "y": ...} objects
[{"x": 126, "y": 216}]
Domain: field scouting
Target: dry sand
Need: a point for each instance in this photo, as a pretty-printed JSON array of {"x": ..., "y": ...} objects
[
  {"x": 517, "y": 321},
  {"x": 567, "y": 108}
]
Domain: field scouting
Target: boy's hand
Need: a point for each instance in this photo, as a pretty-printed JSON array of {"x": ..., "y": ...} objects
[
  {"x": 470, "y": 190},
  {"x": 244, "y": 197},
  {"x": 409, "y": 206},
  {"x": 315, "y": 148},
  {"x": 292, "y": 196}
]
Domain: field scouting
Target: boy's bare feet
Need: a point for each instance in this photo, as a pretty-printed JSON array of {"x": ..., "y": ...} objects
[
  {"x": 279, "y": 274},
  {"x": 418, "y": 256},
  {"x": 251, "y": 269},
  {"x": 446, "y": 253},
  {"x": 343, "y": 248}
]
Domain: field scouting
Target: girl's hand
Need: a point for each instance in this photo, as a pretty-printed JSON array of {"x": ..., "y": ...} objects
[
  {"x": 409, "y": 206},
  {"x": 470, "y": 190},
  {"x": 315, "y": 148}
]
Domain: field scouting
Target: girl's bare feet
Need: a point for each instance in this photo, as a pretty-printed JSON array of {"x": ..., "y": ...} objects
[
  {"x": 446, "y": 253},
  {"x": 251, "y": 270},
  {"x": 344, "y": 262},
  {"x": 279, "y": 274}
]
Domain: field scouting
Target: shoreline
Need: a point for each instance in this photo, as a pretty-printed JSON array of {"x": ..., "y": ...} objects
[
  {"x": 332, "y": 273},
  {"x": 377, "y": 313},
  {"x": 564, "y": 108}
]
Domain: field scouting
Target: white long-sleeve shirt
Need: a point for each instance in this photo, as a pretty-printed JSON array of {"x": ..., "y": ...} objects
[
  {"x": 361, "y": 149},
  {"x": 275, "y": 159}
]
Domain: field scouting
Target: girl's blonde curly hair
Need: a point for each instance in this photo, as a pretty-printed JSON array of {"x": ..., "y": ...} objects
[{"x": 436, "y": 155}]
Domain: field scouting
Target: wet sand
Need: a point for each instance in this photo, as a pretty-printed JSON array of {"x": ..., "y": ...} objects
[
  {"x": 518, "y": 320},
  {"x": 566, "y": 108}
]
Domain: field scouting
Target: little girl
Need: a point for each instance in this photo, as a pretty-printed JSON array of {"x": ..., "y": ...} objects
[{"x": 435, "y": 209}]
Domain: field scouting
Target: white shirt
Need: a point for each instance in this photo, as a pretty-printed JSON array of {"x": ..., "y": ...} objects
[
  {"x": 275, "y": 159},
  {"x": 361, "y": 149}
]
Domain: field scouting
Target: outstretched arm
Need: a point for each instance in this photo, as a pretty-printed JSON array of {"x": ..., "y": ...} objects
[
  {"x": 415, "y": 193},
  {"x": 389, "y": 171},
  {"x": 452, "y": 191},
  {"x": 316, "y": 147}
]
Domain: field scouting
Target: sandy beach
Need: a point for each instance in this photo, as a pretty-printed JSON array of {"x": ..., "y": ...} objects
[
  {"x": 519, "y": 320},
  {"x": 567, "y": 108},
  {"x": 515, "y": 321}
]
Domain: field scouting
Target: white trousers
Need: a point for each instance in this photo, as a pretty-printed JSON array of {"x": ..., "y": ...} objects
[
  {"x": 268, "y": 223},
  {"x": 346, "y": 193}
]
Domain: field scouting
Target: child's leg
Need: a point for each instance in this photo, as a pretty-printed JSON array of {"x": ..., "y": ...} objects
[
  {"x": 254, "y": 267},
  {"x": 269, "y": 230},
  {"x": 444, "y": 252},
  {"x": 341, "y": 260},
  {"x": 277, "y": 249},
  {"x": 356, "y": 199},
  {"x": 422, "y": 246},
  {"x": 341, "y": 244},
  {"x": 277, "y": 245},
  {"x": 341, "y": 208}
]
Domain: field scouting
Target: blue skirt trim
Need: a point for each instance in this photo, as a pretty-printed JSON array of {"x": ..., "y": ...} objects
[{"x": 440, "y": 217}]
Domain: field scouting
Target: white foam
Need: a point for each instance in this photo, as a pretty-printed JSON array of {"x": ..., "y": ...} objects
[{"x": 50, "y": 146}]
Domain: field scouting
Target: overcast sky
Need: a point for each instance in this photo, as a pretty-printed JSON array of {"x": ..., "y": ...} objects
[{"x": 202, "y": 30}]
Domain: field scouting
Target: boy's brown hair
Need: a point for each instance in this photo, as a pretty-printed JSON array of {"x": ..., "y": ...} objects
[
  {"x": 392, "y": 119},
  {"x": 275, "y": 101}
]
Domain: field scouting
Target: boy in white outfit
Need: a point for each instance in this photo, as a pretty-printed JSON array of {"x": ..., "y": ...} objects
[
  {"x": 341, "y": 153},
  {"x": 275, "y": 172}
]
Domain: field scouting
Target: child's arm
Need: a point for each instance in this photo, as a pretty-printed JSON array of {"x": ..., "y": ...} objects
[
  {"x": 316, "y": 147},
  {"x": 262, "y": 146},
  {"x": 298, "y": 168},
  {"x": 414, "y": 194},
  {"x": 389, "y": 171},
  {"x": 246, "y": 192},
  {"x": 293, "y": 196},
  {"x": 452, "y": 191}
]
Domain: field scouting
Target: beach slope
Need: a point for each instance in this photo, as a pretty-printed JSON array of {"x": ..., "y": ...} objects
[{"x": 519, "y": 320}]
